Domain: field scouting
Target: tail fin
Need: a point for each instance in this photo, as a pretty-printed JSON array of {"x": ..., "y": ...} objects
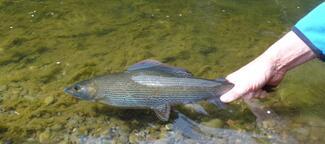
[{"x": 222, "y": 87}]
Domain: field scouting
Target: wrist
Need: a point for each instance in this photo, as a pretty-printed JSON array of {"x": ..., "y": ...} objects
[{"x": 287, "y": 53}]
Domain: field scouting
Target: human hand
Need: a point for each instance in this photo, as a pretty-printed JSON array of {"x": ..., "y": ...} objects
[
  {"x": 250, "y": 79},
  {"x": 269, "y": 68}
]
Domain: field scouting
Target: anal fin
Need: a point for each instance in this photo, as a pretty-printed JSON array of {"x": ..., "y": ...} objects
[
  {"x": 162, "y": 112},
  {"x": 217, "y": 102}
]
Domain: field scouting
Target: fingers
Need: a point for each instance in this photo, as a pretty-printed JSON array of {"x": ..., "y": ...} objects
[
  {"x": 234, "y": 93},
  {"x": 248, "y": 81},
  {"x": 231, "y": 95},
  {"x": 256, "y": 94}
]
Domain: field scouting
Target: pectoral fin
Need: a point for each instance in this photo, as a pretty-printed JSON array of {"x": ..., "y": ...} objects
[
  {"x": 217, "y": 102},
  {"x": 162, "y": 112},
  {"x": 198, "y": 108}
]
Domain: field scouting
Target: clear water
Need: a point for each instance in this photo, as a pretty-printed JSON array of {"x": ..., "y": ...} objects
[{"x": 47, "y": 45}]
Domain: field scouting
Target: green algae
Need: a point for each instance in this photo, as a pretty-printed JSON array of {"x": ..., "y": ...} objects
[
  {"x": 47, "y": 45},
  {"x": 215, "y": 123}
]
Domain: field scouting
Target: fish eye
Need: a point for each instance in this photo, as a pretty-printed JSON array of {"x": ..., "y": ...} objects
[{"x": 77, "y": 88}]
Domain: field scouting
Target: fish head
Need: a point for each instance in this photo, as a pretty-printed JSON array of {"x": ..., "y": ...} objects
[{"x": 85, "y": 90}]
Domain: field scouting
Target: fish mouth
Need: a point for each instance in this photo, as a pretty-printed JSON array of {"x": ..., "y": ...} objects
[
  {"x": 68, "y": 91},
  {"x": 73, "y": 93}
]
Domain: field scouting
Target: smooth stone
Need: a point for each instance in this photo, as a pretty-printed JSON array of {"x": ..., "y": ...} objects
[
  {"x": 56, "y": 127},
  {"x": 49, "y": 100},
  {"x": 64, "y": 142},
  {"x": 133, "y": 139},
  {"x": 24, "y": 92},
  {"x": 44, "y": 137},
  {"x": 169, "y": 127},
  {"x": 3, "y": 88}
]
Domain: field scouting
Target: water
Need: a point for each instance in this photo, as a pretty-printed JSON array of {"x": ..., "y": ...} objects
[{"x": 47, "y": 45}]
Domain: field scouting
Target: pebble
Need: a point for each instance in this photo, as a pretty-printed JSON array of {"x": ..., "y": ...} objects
[
  {"x": 17, "y": 113},
  {"x": 64, "y": 142},
  {"x": 57, "y": 127},
  {"x": 23, "y": 92},
  {"x": 133, "y": 139},
  {"x": 31, "y": 140},
  {"x": 74, "y": 129},
  {"x": 48, "y": 100},
  {"x": 3, "y": 88},
  {"x": 169, "y": 127},
  {"x": 44, "y": 137},
  {"x": 16, "y": 92}
]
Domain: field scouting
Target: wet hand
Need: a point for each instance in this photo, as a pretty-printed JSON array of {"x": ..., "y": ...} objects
[
  {"x": 250, "y": 79},
  {"x": 269, "y": 68}
]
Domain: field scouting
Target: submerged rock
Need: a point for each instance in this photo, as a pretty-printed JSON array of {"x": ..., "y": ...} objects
[
  {"x": 44, "y": 137},
  {"x": 48, "y": 100},
  {"x": 3, "y": 88},
  {"x": 56, "y": 127},
  {"x": 169, "y": 127},
  {"x": 133, "y": 138}
]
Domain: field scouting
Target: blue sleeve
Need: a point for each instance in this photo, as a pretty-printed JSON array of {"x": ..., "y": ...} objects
[{"x": 311, "y": 29}]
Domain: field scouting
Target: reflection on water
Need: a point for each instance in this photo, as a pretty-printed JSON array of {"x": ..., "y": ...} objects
[{"x": 48, "y": 45}]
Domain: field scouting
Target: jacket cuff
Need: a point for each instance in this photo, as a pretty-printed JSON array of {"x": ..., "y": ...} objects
[{"x": 316, "y": 50}]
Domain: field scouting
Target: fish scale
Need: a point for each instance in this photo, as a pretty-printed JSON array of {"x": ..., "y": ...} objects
[{"x": 150, "y": 84}]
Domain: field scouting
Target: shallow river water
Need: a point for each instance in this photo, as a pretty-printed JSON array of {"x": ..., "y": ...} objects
[{"x": 46, "y": 45}]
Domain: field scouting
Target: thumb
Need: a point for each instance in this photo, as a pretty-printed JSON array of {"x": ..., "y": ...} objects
[{"x": 230, "y": 96}]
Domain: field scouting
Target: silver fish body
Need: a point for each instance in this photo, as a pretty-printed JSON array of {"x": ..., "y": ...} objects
[{"x": 150, "y": 84}]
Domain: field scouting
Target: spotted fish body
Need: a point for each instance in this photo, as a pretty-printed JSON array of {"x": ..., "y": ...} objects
[{"x": 150, "y": 84}]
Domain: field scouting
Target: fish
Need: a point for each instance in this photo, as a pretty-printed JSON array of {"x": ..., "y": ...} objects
[{"x": 150, "y": 84}]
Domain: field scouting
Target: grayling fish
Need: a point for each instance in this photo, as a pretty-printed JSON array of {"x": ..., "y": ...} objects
[{"x": 150, "y": 84}]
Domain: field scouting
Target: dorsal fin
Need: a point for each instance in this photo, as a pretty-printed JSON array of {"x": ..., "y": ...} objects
[
  {"x": 162, "y": 112},
  {"x": 154, "y": 65},
  {"x": 145, "y": 64}
]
